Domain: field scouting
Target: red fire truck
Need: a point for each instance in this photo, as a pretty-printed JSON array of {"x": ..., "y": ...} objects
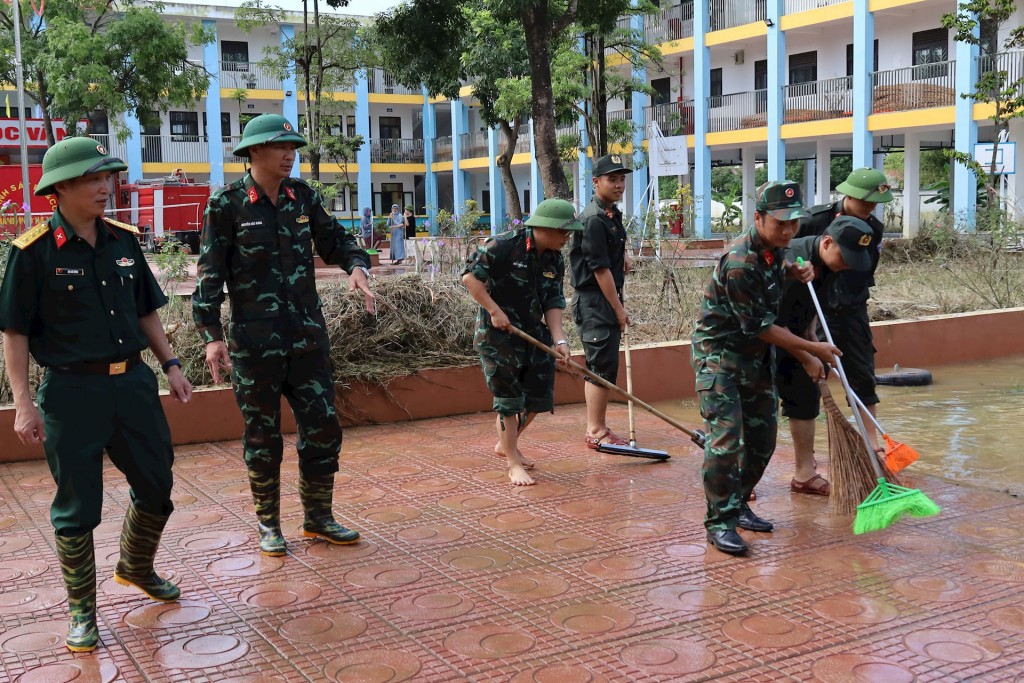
[{"x": 165, "y": 208}]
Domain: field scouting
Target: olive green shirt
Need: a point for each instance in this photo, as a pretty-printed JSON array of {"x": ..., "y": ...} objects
[{"x": 79, "y": 303}]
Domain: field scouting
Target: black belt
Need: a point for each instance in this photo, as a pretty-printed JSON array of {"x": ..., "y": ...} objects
[{"x": 115, "y": 368}]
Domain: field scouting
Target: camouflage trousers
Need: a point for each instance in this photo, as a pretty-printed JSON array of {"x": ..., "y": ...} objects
[
  {"x": 742, "y": 424},
  {"x": 521, "y": 377},
  {"x": 305, "y": 380}
]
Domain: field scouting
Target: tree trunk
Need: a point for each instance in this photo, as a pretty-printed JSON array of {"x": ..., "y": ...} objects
[
  {"x": 504, "y": 161},
  {"x": 538, "y": 35},
  {"x": 45, "y": 106},
  {"x": 601, "y": 98}
]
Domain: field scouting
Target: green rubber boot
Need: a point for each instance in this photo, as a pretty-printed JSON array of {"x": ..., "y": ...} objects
[
  {"x": 317, "y": 495},
  {"x": 266, "y": 496},
  {"x": 140, "y": 537},
  {"x": 78, "y": 565}
]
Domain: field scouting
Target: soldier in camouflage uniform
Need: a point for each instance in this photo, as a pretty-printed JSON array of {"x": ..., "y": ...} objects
[
  {"x": 79, "y": 296},
  {"x": 733, "y": 358},
  {"x": 516, "y": 278},
  {"x": 259, "y": 236}
]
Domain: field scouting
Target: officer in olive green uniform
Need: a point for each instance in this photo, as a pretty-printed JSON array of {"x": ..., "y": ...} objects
[
  {"x": 733, "y": 354},
  {"x": 599, "y": 264},
  {"x": 79, "y": 297},
  {"x": 847, "y": 293},
  {"x": 516, "y": 278},
  {"x": 259, "y": 237}
]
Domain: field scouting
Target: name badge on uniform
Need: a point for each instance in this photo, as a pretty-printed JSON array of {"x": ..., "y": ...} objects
[
  {"x": 124, "y": 262},
  {"x": 250, "y": 224},
  {"x": 70, "y": 271},
  {"x": 302, "y": 219}
]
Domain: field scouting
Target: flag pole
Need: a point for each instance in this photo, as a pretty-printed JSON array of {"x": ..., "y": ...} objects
[{"x": 22, "y": 132}]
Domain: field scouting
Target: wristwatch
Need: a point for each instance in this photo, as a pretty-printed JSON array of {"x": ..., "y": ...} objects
[
  {"x": 561, "y": 341},
  {"x": 366, "y": 271},
  {"x": 168, "y": 364}
]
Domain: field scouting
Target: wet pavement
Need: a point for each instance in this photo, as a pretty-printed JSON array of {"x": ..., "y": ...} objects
[{"x": 598, "y": 573}]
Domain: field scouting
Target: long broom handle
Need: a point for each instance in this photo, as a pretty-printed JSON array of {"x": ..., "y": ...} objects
[
  {"x": 867, "y": 412},
  {"x": 695, "y": 436},
  {"x": 629, "y": 388},
  {"x": 850, "y": 396}
]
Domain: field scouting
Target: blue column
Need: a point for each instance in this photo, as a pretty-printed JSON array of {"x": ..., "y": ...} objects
[
  {"x": 863, "y": 66},
  {"x": 965, "y": 181},
  {"x": 133, "y": 147},
  {"x": 640, "y": 176},
  {"x": 701, "y": 152},
  {"x": 586, "y": 166},
  {"x": 364, "y": 178},
  {"x": 214, "y": 141},
  {"x": 498, "y": 205},
  {"x": 430, "y": 179},
  {"x": 290, "y": 106},
  {"x": 536, "y": 184},
  {"x": 458, "y": 178},
  {"x": 776, "y": 80}
]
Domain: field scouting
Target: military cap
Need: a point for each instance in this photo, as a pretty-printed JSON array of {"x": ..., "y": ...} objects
[
  {"x": 267, "y": 128},
  {"x": 556, "y": 214},
  {"x": 782, "y": 199},
  {"x": 408, "y": 207},
  {"x": 73, "y": 158},
  {"x": 854, "y": 239},
  {"x": 610, "y": 163},
  {"x": 867, "y": 184}
]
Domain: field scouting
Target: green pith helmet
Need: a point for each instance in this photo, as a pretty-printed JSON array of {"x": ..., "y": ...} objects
[
  {"x": 267, "y": 128},
  {"x": 556, "y": 214},
  {"x": 74, "y": 158},
  {"x": 867, "y": 184}
]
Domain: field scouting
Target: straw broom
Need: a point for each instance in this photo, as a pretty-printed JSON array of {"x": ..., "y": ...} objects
[{"x": 853, "y": 478}]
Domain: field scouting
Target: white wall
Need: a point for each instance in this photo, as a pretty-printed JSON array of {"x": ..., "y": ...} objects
[
  {"x": 402, "y": 111},
  {"x": 895, "y": 37}
]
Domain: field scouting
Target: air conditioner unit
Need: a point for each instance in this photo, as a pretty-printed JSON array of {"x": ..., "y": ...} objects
[{"x": 739, "y": 57}]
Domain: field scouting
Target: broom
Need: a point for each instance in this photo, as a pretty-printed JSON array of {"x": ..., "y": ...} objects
[
  {"x": 852, "y": 476},
  {"x": 888, "y": 502},
  {"x": 897, "y": 455}
]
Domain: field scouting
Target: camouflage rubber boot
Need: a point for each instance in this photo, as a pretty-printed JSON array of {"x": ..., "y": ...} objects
[
  {"x": 78, "y": 565},
  {"x": 266, "y": 496},
  {"x": 317, "y": 494},
  {"x": 140, "y": 537}
]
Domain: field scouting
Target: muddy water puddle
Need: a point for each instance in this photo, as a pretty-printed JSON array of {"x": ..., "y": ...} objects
[{"x": 968, "y": 425}]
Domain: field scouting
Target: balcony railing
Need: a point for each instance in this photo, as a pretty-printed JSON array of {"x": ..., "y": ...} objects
[
  {"x": 794, "y": 6},
  {"x": 380, "y": 81},
  {"x": 523, "y": 141},
  {"x": 619, "y": 115},
  {"x": 175, "y": 149},
  {"x": 568, "y": 129},
  {"x": 247, "y": 76},
  {"x": 230, "y": 142},
  {"x": 1011, "y": 62},
  {"x": 729, "y": 13},
  {"x": 674, "y": 118},
  {"x": 442, "y": 148},
  {"x": 739, "y": 110},
  {"x": 473, "y": 145},
  {"x": 831, "y": 98},
  {"x": 914, "y": 87},
  {"x": 396, "y": 151},
  {"x": 673, "y": 23}
]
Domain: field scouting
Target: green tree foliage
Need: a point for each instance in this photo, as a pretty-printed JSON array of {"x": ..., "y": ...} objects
[
  {"x": 103, "y": 55},
  {"x": 994, "y": 86},
  {"x": 325, "y": 57}
]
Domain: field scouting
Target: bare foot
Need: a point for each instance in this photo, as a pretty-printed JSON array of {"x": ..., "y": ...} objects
[
  {"x": 519, "y": 476},
  {"x": 527, "y": 464}
]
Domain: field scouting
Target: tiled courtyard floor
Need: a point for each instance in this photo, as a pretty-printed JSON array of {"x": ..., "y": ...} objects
[{"x": 598, "y": 573}]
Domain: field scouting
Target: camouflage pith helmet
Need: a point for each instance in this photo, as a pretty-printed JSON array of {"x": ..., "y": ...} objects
[
  {"x": 556, "y": 214},
  {"x": 781, "y": 199},
  {"x": 868, "y": 185},
  {"x": 267, "y": 128},
  {"x": 73, "y": 158}
]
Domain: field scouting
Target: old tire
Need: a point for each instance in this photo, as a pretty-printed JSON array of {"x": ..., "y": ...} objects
[{"x": 904, "y": 377}]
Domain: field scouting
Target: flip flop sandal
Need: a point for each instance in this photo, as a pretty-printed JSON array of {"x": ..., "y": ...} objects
[
  {"x": 608, "y": 437},
  {"x": 808, "y": 486}
]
